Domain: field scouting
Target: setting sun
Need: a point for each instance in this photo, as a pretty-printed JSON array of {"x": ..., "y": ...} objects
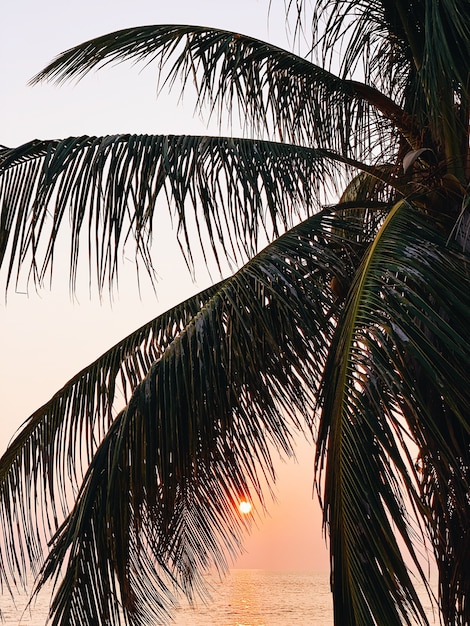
[{"x": 245, "y": 507}]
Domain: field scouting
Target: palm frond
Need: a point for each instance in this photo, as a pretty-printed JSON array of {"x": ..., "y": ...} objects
[
  {"x": 233, "y": 192},
  {"x": 197, "y": 434},
  {"x": 272, "y": 88},
  {"x": 402, "y": 341},
  {"x": 48, "y": 458}
]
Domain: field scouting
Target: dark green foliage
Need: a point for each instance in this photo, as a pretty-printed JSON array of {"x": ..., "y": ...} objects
[{"x": 350, "y": 325}]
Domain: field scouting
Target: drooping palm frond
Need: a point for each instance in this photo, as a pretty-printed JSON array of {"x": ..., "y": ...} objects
[
  {"x": 401, "y": 342},
  {"x": 233, "y": 192},
  {"x": 273, "y": 89},
  {"x": 47, "y": 459},
  {"x": 196, "y": 433}
]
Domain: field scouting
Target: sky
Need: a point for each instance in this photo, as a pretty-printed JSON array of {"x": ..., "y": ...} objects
[{"x": 46, "y": 337}]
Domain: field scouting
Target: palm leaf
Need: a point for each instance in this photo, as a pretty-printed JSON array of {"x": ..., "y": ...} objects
[
  {"x": 401, "y": 341},
  {"x": 197, "y": 433},
  {"x": 233, "y": 192},
  {"x": 46, "y": 460},
  {"x": 271, "y": 87}
]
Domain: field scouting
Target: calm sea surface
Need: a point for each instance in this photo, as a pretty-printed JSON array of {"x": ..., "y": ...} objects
[{"x": 244, "y": 598}]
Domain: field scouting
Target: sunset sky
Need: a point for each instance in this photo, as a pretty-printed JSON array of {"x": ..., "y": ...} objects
[{"x": 45, "y": 337}]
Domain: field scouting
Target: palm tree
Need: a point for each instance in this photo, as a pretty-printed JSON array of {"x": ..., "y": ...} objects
[{"x": 351, "y": 324}]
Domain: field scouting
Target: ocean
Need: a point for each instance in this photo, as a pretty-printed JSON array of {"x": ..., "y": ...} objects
[
  {"x": 244, "y": 598},
  {"x": 264, "y": 598}
]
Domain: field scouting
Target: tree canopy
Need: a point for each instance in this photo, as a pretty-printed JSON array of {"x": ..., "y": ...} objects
[{"x": 350, "y": 324}]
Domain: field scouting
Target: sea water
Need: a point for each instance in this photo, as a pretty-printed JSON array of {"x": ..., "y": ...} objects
[
  {"x": 243, "y": 598},
  {"x": 264, "y": 598}
]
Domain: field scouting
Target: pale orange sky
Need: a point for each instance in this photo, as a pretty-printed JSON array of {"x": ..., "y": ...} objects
[{"x": 46, "y": 339}]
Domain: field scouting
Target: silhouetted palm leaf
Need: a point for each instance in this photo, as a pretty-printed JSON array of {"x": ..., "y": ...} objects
[
  {"x": 234, "y": 192},
  {"x": 405, "y": 294},
  {"x": 197, "y": 434},
  {"x": 275, "y": 90}
]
